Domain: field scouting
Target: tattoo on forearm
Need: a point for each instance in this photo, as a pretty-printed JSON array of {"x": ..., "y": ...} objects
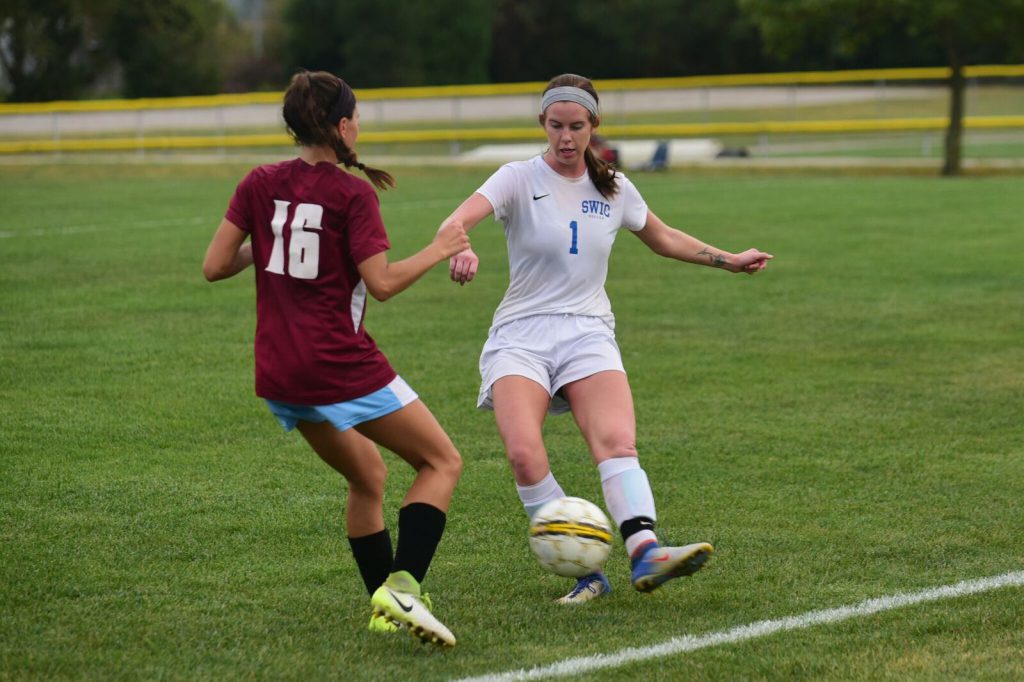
[{"x": 716, "y": 260}]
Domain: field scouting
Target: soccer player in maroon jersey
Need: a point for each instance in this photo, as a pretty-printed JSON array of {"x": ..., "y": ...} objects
[{"x": 318, "y": 244}]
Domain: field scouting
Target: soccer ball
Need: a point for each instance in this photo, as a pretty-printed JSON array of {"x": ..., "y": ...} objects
[{"x": 570, "y": 536}]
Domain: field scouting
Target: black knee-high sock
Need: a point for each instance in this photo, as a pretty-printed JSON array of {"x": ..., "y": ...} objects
[
  {"x": 420, "y": 527},
  {"x": 373, "y": 557}
]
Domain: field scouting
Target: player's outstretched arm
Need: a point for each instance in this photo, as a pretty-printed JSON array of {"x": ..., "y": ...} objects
[
  {"x": 672, "y": 243},
  {"x": 228, "y": 254},
  {"x": 462, "y": 266},
  {"x": 384, "y": 279}
]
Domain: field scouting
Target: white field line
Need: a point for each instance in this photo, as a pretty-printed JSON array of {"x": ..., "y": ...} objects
[
  {"x": 687, "y": 643},
  {"x": 211, "y": 220}
]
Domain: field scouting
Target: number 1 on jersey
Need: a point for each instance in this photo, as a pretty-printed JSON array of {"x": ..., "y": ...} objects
[{"x": 575, "y": 234}]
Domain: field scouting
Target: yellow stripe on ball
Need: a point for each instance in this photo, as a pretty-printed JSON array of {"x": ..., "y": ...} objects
[{"x": 566, "y": 528}]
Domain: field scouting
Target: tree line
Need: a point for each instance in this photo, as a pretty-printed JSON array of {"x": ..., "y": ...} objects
[{"x": 71, "y": 49}]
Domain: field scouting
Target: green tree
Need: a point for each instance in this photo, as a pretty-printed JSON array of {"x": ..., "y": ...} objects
[
  {"x": 253, "y": 51},
  {"x": 621, "y": 39},
  {"x": 380, "y": 43},
  {"x": 966, "y": 31},
  {"x": 533, "y": 41},
  {"x": 654, "y": 38},
  {"x": 454, "y": 39},
  {"x": 52, "y": 49},
  {"x": 315, "y": 36},
  {"x": 168, "y": 47}
]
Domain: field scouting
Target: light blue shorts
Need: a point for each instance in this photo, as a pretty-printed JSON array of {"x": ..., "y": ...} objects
[{"x": 344, "y": 416}]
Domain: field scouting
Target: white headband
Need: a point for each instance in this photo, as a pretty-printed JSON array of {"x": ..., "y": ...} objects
[{"x": 568, "y": 93}]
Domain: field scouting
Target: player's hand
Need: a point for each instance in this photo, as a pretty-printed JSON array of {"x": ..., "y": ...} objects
[
  {"x": 462, "y": 266},
  {"x": 750, "y": 261},
  {"x": 451, "y": 239}
]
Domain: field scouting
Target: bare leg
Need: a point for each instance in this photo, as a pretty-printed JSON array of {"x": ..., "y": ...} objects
[
  {"x": 356, "y": 458},
  {"x": 602, "y": 405},
  {"x": 520, "y": 405},
  {"x": 413, "y": 434}
]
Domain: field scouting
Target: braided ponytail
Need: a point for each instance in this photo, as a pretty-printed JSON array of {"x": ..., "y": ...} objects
[
  {"x": 313, "y": 105},
  {"x": 381, "y": 179}
]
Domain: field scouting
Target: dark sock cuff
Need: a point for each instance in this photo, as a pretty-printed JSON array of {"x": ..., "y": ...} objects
[
  {"x": 635, "y": 525},
  {"x": 421, "y": 514},
  {"x": 378, "y": 539}
]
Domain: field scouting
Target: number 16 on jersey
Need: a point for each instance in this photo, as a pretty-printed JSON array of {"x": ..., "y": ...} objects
[{"x": 304, "y": 244}]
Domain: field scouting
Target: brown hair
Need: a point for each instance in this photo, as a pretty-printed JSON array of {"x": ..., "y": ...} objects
[
  {"x": 313, "y": 104},
  {"x": 601, "y": 173}
]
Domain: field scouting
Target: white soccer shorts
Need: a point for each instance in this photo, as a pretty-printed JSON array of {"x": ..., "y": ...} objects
[{"x": 552, "y": 350}]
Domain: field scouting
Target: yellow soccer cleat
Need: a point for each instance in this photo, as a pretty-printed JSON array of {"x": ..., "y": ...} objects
[
  {"x": 381, "y": 625},
  {"x": 399, "y": 602}
]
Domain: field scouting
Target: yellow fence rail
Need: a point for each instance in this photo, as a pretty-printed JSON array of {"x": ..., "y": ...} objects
[
  {"x": 142, "y": 142},
  {"x": 499, "y": 89},
  {"x": 178, "y": 142}
]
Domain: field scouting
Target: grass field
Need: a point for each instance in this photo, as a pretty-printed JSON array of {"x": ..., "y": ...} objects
[{"x": 844, "y": 426}]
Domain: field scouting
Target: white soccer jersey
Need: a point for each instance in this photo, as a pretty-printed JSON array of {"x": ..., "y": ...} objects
[{"x": 560, "y": 233}]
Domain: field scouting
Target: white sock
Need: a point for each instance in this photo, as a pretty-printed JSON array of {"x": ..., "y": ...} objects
[
  {"x": 627, "y": 492},
  {"x": 540, "y": 493}
]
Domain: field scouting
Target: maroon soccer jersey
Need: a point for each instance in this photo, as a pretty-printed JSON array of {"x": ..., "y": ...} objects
[{"x": 310, "y": 226}]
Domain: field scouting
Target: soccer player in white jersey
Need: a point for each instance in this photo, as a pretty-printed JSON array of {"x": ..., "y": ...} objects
[{"x": 551, "y": 346}]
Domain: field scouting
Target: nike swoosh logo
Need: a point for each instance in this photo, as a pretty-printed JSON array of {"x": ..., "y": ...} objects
[
  {"x": 535, "y": 197},
  {"x": 405, "y": 608},
  {"x": 664, "y": 557}
]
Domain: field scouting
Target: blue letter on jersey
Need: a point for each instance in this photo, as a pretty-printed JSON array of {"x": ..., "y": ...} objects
[{"x": 596, "y": 208}]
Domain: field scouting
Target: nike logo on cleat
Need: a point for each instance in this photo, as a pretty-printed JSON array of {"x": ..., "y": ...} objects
[
  {"x": 540, "y": 196},
  {"x": 405, "y": 608},
  {"x": 664, "y": 557}
]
